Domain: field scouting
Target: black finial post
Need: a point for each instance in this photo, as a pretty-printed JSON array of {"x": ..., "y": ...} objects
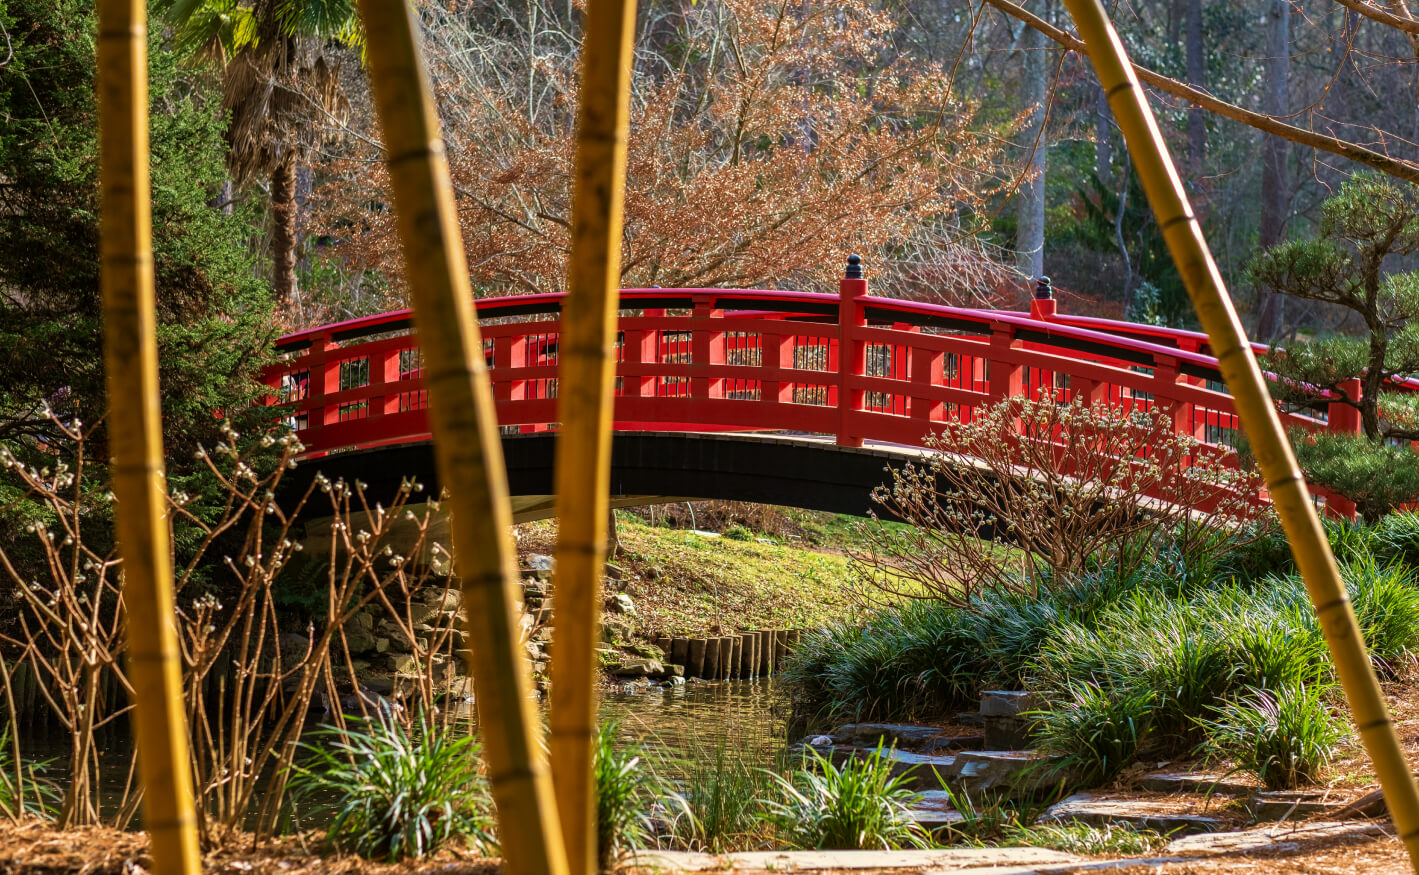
[
  {"x": 1043, "y": 290},
  {"x": 854, "y": 267}
]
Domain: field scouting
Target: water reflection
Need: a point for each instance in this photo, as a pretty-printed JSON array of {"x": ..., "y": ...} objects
[{"x": 679, "y": 725}]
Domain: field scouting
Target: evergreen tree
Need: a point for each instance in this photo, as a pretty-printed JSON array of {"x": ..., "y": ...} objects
[
  {"x": 214, "y": 315},
  {"x": 1369, "y": 222}
]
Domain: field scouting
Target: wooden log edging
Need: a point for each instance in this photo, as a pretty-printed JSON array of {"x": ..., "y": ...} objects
[{"x": 742, "y": 655}]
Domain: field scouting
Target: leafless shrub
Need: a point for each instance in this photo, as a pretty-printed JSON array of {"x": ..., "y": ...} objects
[
  {"x": 250, "y": 679},
  {"x": 1067, "y": 484}
]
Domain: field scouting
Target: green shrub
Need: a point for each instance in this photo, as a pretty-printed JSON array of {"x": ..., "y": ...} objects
[
  {"x": 1096, "y": 732},
  {"x": 625, "y": 793},
  {"x": 738, "y": 532},
  {"x": 391, "y": 793},
  {"x": 1386, "y": 602},
  {"x": 856, "y": 806},
  {"x": 40, "y": 796},
  {"x": 1395, "y": 539},
  {"x": 1283, "y": 736},
  {"x": 903, "y": 663},
  {"x": 1275, "y": 653},
  {"x": 720, "y": 807}
]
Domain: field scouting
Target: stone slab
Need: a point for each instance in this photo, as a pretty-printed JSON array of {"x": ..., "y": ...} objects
[
  {"x": 949, "y": 860},
  {"x": 1293, "y": 805},
  {"x": 1270, "y": 838},
  {"x": 903, "y": 735},
  {"x": 933, "y": 811},
  {"x": 1157, "y": 816},
  {"x": 1196, "y": 782},
  {"x": 1007, "y": 703},
  {"x": 945, "y": 743},
  {"x": 1007, "y": 733}
]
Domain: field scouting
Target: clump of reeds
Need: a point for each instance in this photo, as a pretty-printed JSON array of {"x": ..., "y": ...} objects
[
  {"x": 393, "y": 791},
  {"x": 859, "y": 805}
]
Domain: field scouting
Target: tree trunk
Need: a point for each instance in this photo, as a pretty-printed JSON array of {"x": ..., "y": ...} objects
[
  {"x": 1275, "y": 187},
  {"x": 1030, "y": 202},
  {"x": 1103, "y": 137},
  {"x": 1197, "y": 78},
  {"x": 283, "y": 231}
]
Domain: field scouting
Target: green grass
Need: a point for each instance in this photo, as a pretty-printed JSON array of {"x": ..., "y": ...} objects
[
  {"x": 391, "y": 791},
  {"x": 700, "y": 583},
  {"x": 856, "y": 806},
  {"x": 1079, "y": 838},
  {"x": 1097, "y": 732},
  {"x": 1284, "y": 736},
  {"x": 720, "y": 803},
  {"x": 626, "y": 791}
]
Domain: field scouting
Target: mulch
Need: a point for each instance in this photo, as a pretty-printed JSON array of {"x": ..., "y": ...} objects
[{"x": 33, "y": 847}]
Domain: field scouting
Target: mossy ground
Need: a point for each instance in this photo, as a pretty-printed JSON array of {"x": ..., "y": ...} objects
[{"x": 688, "y": 583}]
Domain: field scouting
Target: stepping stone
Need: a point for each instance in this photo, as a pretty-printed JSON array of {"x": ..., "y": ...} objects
[
  {"x": 1270, "y": 838},
  {"x": 1293, "y": 805},
  {"x": 1007, "y": 703},
  {"x": 1196, "y": 782},
  {"x": 933, "y": 811},
  {"x": 903, "y": 735},
  {"x": 1011, "y": 771},
  {"x": 1157, "y": 816},
  {"x": 955, "y": 742},
  {"x": 1012, "y": 860}
]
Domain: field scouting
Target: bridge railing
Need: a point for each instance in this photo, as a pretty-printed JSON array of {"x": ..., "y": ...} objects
[{"x": 851, "y": 366}]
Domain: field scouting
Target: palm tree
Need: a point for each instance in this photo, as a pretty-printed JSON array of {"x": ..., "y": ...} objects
[{"x": 279, "y": 90}]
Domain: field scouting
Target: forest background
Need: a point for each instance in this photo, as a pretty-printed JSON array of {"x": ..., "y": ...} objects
[{"x": 959, "y": 145}]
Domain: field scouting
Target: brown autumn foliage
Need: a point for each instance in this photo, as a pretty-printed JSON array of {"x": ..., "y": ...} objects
[{"x": 768, "y": 140}]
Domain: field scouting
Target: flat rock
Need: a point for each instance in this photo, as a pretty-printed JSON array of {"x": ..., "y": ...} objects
[
  {"x": 1007, "y": 770},
  {"x": 903, "y": 735},
  {"x": 1007, "y": 703},
  {"x": 933, "y": 810},
  {"x": 1196, "y": 782},
  {"x": 1293, "y": 805},
  {"x": 944, "y": 743},
  {"x": 1157, "y": 816},
  {"x": 949, "y": 860},
  {"x": 1270, "y": 838}
]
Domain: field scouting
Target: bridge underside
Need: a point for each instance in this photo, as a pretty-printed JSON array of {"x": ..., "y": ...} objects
[{"x": 651, "y": 468}]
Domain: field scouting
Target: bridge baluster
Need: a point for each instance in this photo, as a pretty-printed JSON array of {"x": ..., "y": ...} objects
[
  {"x": 509, "y": 354},
  {"x": 776, "y": 356},
  {"x": 641, "y": 353},
  {"x": 707, "y": 350},
  {"x": 852, "y": 352},
  {"x": 323, "y": 378},
  {"x": 384, "y": 373},
  {"x": 1167, "y": 376},
  {"x": 927, "y": 370}
]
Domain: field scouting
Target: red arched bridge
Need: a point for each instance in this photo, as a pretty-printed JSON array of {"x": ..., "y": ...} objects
[{"x": 779, "y": 397}]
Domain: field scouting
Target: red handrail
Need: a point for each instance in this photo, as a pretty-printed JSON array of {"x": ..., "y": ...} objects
[{"x": 852, "y": 366}]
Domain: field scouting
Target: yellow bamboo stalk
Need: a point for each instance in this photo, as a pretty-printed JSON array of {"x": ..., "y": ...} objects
[
  {"x": 1258, "y": 414},
  {"x": 135, "y": 440},
  {"x": 586, "y": 377},
  {"x": 467, "y": 445}
]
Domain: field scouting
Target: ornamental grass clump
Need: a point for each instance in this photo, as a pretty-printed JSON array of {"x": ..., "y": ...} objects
[
  {"x": 1386, "y": 600},
  {"x": 626, "y": 792},
  {"x": 391, "y": 791},
  {"x": 1284, "y": 736},
  {"x": 721, "y": 804},
  {"x": 1096, "y": 732},
  {"x": 859, "y": 805}
]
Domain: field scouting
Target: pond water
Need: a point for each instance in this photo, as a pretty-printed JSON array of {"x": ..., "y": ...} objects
[
  {"x": 673, "y": 727},
  {"x": 679, "y": 725}
]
